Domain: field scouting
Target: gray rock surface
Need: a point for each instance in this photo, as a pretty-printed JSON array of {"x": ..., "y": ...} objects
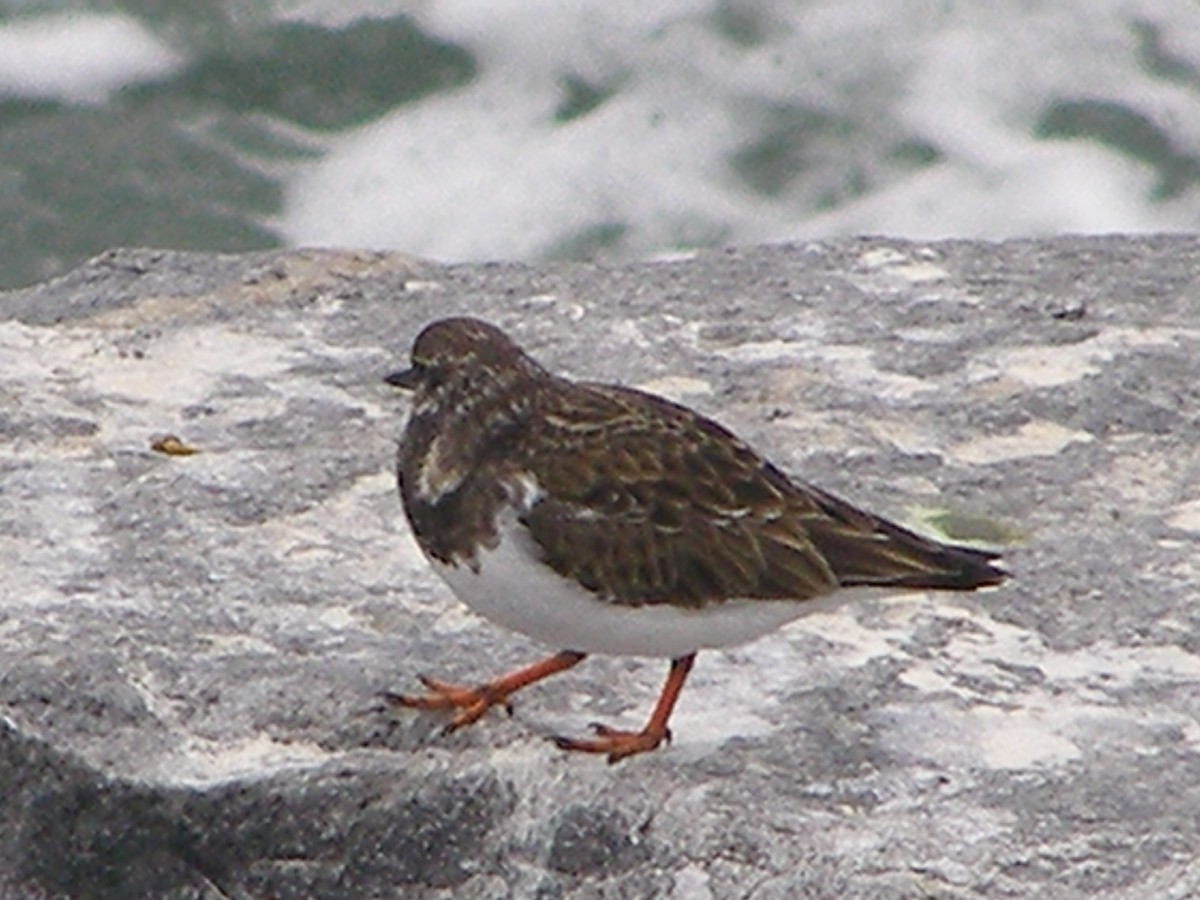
[{"x": 192, "y": 647}]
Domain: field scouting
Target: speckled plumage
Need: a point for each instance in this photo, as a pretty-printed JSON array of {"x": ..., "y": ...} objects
[
  {"x": 641, "y": 500},
  {"x": 620, "y": 500}
]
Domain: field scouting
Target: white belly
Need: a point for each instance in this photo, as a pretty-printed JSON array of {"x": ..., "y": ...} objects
[{"x": 516, "y": 591}]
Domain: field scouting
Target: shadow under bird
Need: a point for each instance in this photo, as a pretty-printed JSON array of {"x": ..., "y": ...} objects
[{"x": 596, "y": 518}]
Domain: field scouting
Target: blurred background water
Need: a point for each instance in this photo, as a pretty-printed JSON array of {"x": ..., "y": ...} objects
[{"x": 487, "y": 129}]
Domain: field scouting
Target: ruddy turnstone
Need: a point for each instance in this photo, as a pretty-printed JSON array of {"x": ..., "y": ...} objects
[{"x": 601, "y": 519}]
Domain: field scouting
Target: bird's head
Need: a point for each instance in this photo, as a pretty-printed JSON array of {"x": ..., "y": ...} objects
[{"x": 460, "y": 363}]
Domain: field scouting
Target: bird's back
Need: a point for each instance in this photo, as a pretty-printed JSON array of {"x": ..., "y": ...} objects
[{"x": 645, "y": 501}]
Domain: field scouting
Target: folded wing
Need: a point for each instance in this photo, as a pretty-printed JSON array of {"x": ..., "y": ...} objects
[{"x": 677, "y": 509}]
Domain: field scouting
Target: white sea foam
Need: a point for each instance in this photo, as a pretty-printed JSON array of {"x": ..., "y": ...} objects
[
  {"x": 79, "y": 57},
  {"x": 692, "y": 88},
  {"x": 486, "y": 171}
]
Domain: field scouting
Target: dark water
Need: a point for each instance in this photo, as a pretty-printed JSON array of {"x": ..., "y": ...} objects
[
  {"x": 621, "y": 130},
  {"x": 199, "y": 159}
]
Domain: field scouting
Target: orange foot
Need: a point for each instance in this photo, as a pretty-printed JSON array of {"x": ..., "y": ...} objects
[
  {"x": 616, "y": 743},
  {"x": 622, "y": 744},
  {"x": 470, "y": 703}
]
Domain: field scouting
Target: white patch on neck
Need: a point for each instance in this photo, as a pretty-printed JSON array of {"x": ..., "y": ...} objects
[
  {"x": 436, "y": 478},
  {"x": 526, "y": 491}
]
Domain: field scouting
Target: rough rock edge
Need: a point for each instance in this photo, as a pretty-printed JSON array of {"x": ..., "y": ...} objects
[{"x": 191, "y": 647}]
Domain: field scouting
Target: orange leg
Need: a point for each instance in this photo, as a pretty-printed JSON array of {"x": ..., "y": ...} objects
[
  {"x": 621, "y": 744},
  {"x": 472, "y": 703}
]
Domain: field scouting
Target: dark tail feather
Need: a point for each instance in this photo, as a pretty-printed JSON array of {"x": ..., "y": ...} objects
[
  {"x": 958, "y": 569},
  {"x": 866, "y": 550}
]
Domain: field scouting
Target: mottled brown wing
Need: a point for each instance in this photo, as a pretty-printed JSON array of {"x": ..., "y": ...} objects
[{"x": 646, "y": 502}]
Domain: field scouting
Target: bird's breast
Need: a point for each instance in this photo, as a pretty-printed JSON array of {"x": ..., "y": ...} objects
[{"x": 511, "y": 586}]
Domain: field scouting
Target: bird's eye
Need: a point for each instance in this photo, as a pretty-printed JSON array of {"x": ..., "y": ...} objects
[{"x": 432, "y": 377}]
